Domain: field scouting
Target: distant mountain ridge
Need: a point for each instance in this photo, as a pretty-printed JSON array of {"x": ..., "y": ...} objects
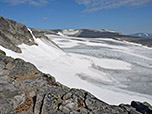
[
  {"x": 143, "y": 35},
  {"x": 85, "y": 33},
  {"x": 93, "y": 33}
]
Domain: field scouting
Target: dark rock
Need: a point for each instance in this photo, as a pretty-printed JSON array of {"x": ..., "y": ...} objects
[
  {"x": 2, "y": 52},
  {"x": 144, "y": 108},
  {"x": 143, "y": 41}
]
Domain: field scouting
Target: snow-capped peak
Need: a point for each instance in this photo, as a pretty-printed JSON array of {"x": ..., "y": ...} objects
[{"x": 143, "y": 35}]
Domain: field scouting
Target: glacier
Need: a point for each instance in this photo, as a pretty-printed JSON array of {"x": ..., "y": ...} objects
[{"x": 114, "y": 71}]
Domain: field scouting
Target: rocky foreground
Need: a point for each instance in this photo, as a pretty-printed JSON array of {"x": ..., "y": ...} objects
[{"x": 26, "y": 90}]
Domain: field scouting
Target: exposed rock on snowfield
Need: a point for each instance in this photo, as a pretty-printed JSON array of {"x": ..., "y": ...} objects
[
  {"x": 40, "y": 34},
  {"x": 26, "y": 90},
  {"x": 143, "y": 41}
]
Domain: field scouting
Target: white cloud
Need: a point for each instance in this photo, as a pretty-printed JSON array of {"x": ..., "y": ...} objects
[
  {"x": 91, "y": 5},
  {"x": 94, "y": 5},
  {"x": 31, "y": 2},
  {"x": 44, "y": 18},
  {"x": 15, "y": 2},
  {"x": 38, "y": 2}
]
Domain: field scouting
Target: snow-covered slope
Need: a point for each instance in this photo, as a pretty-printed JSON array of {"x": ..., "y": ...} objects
[
  {"x": 104, "y": 76},
  {"x": 143, "y": 35},
  {"x": 69, "y": 32}
]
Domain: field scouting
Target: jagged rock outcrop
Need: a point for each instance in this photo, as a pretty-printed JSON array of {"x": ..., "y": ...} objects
[
  {"x": 26, "y": 90},
  {"x": 13, "y": 33}
]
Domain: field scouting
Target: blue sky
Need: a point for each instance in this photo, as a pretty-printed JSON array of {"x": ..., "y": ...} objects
[{"x": 125, "y": 16}]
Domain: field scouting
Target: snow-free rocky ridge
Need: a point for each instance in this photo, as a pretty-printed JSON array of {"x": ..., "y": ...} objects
[{"x": 24, "y": 89}]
